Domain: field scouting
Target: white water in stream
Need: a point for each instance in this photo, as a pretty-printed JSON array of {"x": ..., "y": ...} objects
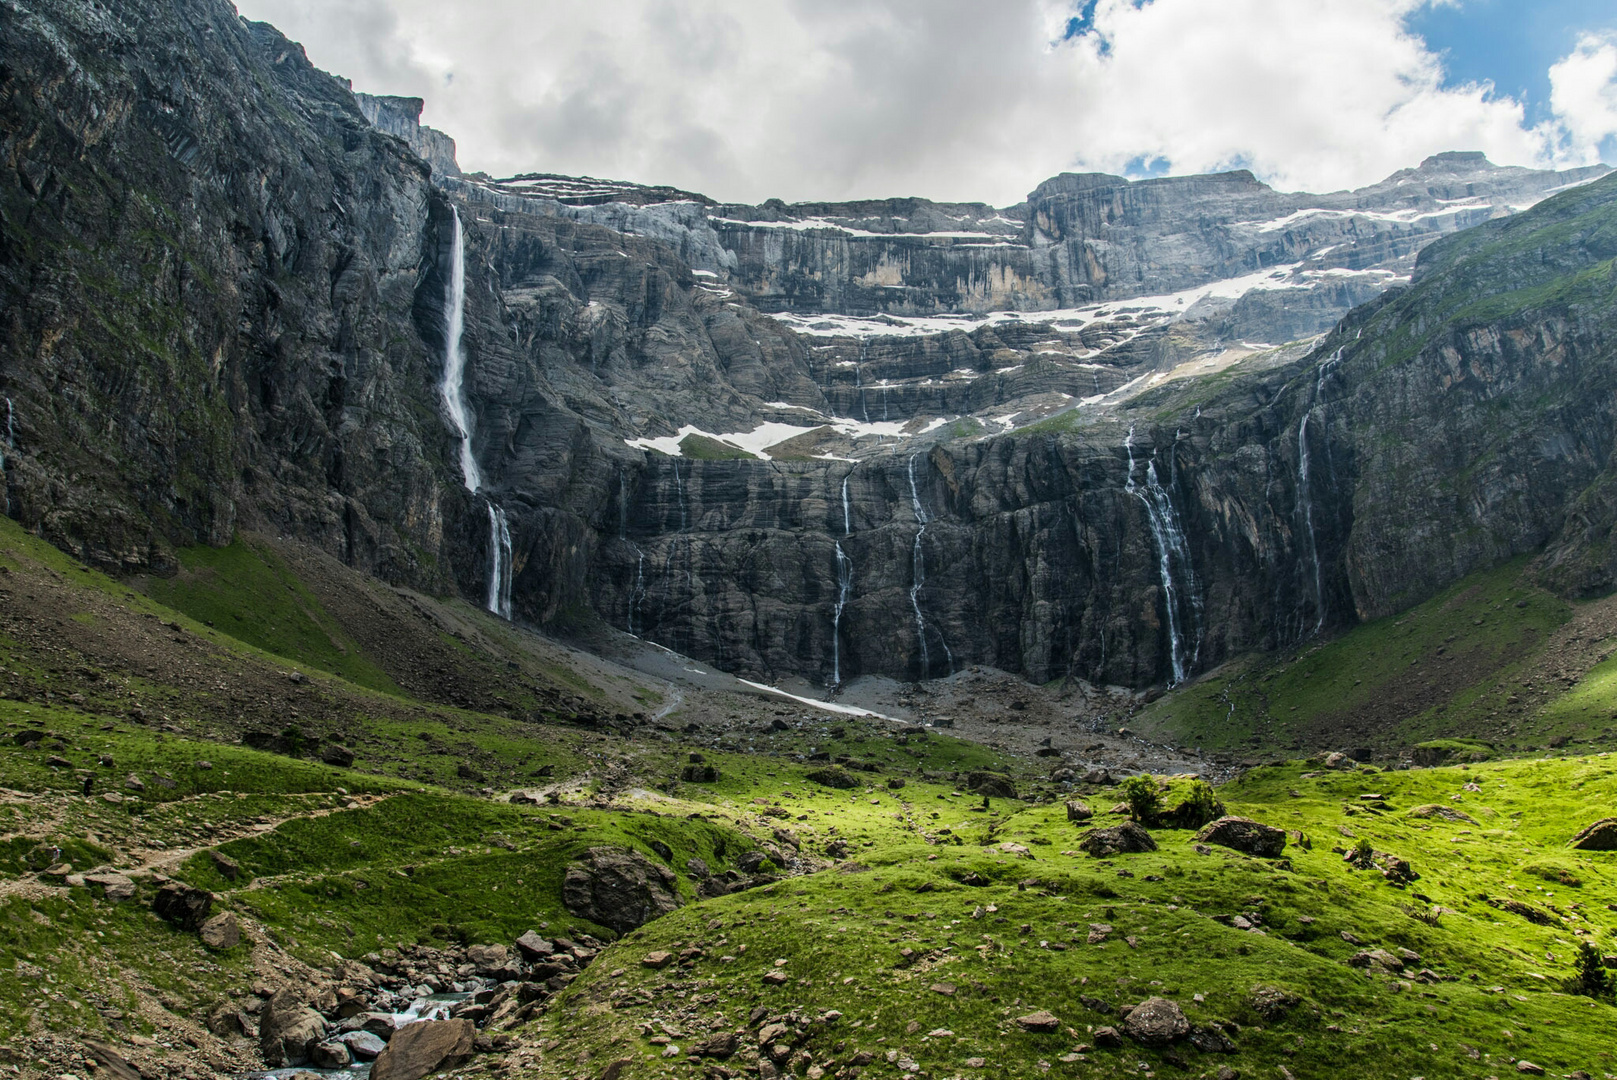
[
  {"x": 1171, "y": 548},
  {"x": 453, "y": 390}
]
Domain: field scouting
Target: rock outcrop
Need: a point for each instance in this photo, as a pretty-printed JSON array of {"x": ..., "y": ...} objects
[
  {"x": 424, "y": 1048},
  {"x": 1601, "y": 836},
  {"x": 778, "y": 497},
  {"x": 619, "y": 888},
  {"x": 1246, "y": 836},
  {"x": 1125, "y": 839}
]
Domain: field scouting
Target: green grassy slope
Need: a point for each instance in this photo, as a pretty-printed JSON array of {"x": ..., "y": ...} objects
[
  {"x": 1488, "y": 659},
  {"x": 249, "y": 593}
]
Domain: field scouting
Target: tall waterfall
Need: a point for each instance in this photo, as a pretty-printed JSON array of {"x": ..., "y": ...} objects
[
  {"x": 847, "y": 520},
  {"x": 453, "y": 390},
  {"x": 453, "y": 387},
  {"x": 1169, "y": 536},
  {"x": 499, "y": 578},
  {"x": 1305, "y": 497},
  {"x": 844, "y": 588},
  {"x": 918, "y": 560},
  {"x": 639, "y": 593},
  {"x": 11, "y": 444}
]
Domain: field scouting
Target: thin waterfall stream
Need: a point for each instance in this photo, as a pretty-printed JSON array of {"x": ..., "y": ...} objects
[
  {"x": 453, "y": 391},
  {"x": 1305, "y": 498},
  {"x": 1169, "y": 536},
  {"x": 11, "y": 445},
  {"x": 918, "y": 561}
]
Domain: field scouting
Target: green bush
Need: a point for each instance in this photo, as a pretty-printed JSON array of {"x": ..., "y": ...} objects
[{"x": 1145, "y": 801}]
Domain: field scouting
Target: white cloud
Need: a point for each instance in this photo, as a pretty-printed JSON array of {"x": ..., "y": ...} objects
[
  {"x": 1583, "y": 93},
  {"x": 951, "y": 99}
]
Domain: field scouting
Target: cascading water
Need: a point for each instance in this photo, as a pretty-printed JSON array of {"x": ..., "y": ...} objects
[
  {"x": 844, "y": 588},
  {"x": 453, "y": 390},
  {"x": 499, "y": 578},
  {"x": 918, "y": 560},
  {"x": 623, "y": 504},
  {"x": 1305, "y": 498},
  {"x": 639, "y": 593},
  {"x": 847, "y": 520},
  {"x": 11, "y": 444},
  {"x": 453, "y": 387},
  {"x": 1171, "y": 548}
]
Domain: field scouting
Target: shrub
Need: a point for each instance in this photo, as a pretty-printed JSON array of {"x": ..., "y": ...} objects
[
  {"x": 1145, "y": 801},
  {"x": 1591, "y": 980}
]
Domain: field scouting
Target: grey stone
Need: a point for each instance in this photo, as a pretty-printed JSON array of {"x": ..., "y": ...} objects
[
  {"x": 1125, "y": 839},
  {"x": 618, "y": 888},
  {"x": 1156, "y": 1021},
  {"x": 1246, "y": 836}
]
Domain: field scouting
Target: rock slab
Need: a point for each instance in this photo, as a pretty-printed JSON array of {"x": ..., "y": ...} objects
[
  {"x": 1246, "y": 836},
  {"x": 1125, "y": 839},
  {"x": 618, "y": 888},
  {"x": 423, "y": 1048}
]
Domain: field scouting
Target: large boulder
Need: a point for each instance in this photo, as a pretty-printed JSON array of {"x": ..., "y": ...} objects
[
  {"x": 182, "y": 905},
  {"x": 287, "y": 1030},
  {"x": 618, "y": 888},
  {"x": 1156, "y": 1022},
  {"x": 1601, "y": 836},
  {"x": 995, "y": 784},
  {"x": 1125, "y": 839},
  {"x": 833, "y": 777},
  {"x": 423, "y": 1048},
  {"x": 115, "y": 886},
  {"x": 1245, "y": 835},
  {"x": 221, "y": 932}
]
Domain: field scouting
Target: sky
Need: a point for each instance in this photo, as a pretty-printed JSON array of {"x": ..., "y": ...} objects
[{"x": 978, "y": 100}]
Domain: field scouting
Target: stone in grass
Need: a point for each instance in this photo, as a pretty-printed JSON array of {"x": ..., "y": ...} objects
[
  {"x": 182, "y": 905},
  {"x": 833, "y": 777},
  {"x": 1078, "y": 810},
  {"x": 657, "y": 960},
  {"x": 775, "y": 978},
  {"x": 1375, "y": 960},
  {"x": 425, "y": 1047},
  {"x": 618, "y": 888},
  {"x": 1529, "y": 1068},
  {"x": 1039, "y": 1023},
  {"x": 1601, "y": 836},
  {"x": 1156, "y": 1021},
  {"x": 228, "y": 868},
  {"x": 1127, "y": 838},
  {"x": 115, "y": 886},
  {"x": 994, "y": 784},
  {"x": 946, "y": 989},
  {"x": 1246, "y": 836},
  {"x": 221, "y": 932},
  {"x": 699, "y": 774}
]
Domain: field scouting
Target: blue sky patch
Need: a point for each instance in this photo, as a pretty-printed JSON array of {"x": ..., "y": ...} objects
[{"x": 1511, "y": 43}]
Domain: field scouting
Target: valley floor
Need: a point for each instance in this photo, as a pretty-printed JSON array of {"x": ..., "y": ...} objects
[{"x": 372, "y": 783}]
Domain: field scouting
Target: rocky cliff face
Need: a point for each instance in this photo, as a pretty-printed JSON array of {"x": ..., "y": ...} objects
[
  {"x": 227, "y": 303},
  {"x": 401, "y": 118},
  {"x": 208, "y": 260}
]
